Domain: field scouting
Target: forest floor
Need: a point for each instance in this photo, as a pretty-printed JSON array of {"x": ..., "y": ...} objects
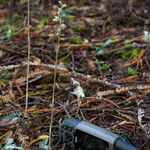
[{"x": 103, "y": 48}]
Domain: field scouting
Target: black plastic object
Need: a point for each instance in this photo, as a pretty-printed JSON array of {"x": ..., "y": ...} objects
[
  {"x": 81, "y": 135},
  {"x": 124, "y": 143}
]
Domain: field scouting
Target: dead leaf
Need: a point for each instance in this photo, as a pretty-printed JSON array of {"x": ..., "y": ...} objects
[
  {"x": 6, "y": 98},
  {"x": 6, "y": 136},
  {"x": 20, "y": 91},
  {"x": 37, "y": 61},
  {"x": 91, "y": 64}
]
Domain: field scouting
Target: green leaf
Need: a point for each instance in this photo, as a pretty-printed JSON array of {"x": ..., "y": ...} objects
[
  {"x": 43, "y": 22},
  {"x": 9, "y": 33},
  {"x": 100, "y": 49},
  {"x": 102, "y": 67},
  {"x": 132, "y": 72},
  {"x": 107, "y": 43},
  {"x": 131, "y": 50}
]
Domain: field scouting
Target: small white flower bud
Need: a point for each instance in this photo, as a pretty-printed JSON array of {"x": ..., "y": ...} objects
[
  {"x": 59, "y": 11},
  {"x": 56, "y": 19},
  {"x": 64, "y": 5},
  {"x": 146, "y": 37},
  {"x": 62, "y": 26}
]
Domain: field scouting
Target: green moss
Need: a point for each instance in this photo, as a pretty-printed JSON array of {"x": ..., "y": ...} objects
[
  {"x": 67, "y": 61},
  {"x": 5, "y": 76},
  {"x": 76, "y": 40}
]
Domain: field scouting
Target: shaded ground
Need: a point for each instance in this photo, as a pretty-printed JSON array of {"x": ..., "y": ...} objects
[{"x": 103, "y": 40}]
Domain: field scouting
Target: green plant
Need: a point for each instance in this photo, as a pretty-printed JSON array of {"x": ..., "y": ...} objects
[
  {"x": 102, "y": 67},
  {"x": 10, "y": 33},
  {"x": 129, "y": 52},
  {"x": 101, "y": 48},
  {"x": 59, "y": 18},
  {"x": 132, "y": 71},
  {"x": 43, "y": 22},
  {"x": 61, "y": 26}
]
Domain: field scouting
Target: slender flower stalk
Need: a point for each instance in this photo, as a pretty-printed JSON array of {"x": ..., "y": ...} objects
[
  {"x": 28, "y": 59},
  {"x": 61, "y": 26}
]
